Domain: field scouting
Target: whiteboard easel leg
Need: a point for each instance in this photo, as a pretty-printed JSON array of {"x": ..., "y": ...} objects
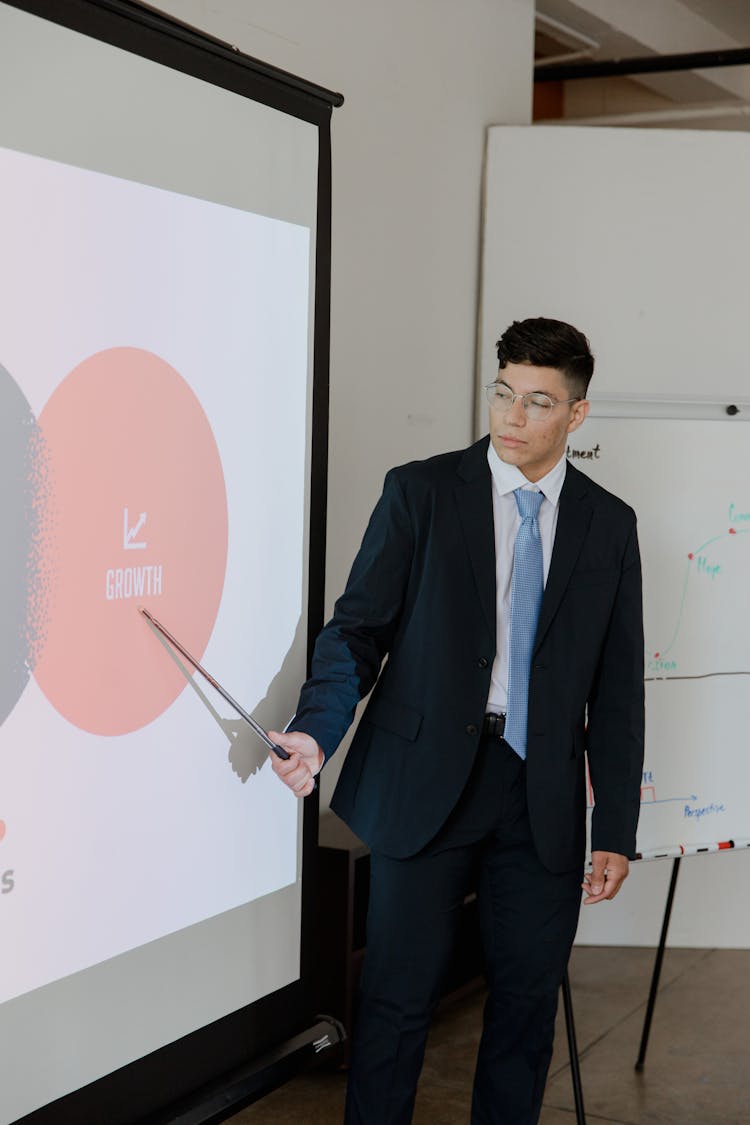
[
  {"x": 657, "y": 965},
  {"x": 575, "y": 1067}
]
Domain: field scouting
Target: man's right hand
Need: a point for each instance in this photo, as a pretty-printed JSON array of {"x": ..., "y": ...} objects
[{"x": 305, "y": 760}]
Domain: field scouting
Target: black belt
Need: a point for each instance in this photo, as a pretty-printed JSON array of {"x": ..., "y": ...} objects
[{"x": 493, "y": 726}]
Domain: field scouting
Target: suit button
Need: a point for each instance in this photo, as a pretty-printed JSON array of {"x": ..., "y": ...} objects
[
  {"x": 471, "y": 729},
  {"x": 483, "y": 661}
]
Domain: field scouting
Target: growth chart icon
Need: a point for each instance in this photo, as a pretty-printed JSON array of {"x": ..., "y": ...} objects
[{"x": 129, "y": 534}]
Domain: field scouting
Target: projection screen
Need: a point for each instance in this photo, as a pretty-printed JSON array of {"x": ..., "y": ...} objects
[{"x": 163, "y": 313}]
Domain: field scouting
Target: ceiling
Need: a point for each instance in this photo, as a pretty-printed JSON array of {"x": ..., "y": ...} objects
[{"x": 610, "y": 29}]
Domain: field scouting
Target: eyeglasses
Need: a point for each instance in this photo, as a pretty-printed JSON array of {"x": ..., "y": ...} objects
[{"x": 536, "y": 405}]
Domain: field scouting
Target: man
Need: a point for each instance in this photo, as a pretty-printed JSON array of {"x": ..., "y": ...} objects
[{"x": 504, "y": 588}]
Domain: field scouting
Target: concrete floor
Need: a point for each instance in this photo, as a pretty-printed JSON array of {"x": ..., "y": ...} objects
[{"x": 697, "y": 1071}]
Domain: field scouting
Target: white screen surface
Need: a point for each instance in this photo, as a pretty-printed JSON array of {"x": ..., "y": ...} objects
[
  {"x": 155, "y": 324},
  {"x": 120, "y": 794}
]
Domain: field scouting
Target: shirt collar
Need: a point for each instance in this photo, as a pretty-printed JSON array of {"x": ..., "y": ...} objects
[{"x": 507, "y": 478}]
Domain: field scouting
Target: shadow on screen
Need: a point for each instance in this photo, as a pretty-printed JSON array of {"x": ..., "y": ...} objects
[{"x": 247, "y": 752}]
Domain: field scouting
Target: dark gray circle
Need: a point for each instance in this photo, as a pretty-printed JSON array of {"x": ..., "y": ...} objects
[{"x": 22, "y": 522}]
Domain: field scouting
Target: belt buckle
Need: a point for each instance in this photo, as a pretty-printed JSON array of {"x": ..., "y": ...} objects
[{"x": 494, "y": 725}]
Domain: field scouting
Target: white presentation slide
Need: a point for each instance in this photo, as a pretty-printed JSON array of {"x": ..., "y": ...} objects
[{"x": 154, "y": 419}]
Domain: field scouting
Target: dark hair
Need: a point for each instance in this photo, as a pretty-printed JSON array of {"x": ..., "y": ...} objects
[{"x": 549, "y": 343}]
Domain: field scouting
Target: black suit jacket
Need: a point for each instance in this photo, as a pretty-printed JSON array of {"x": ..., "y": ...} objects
[{"x": 421, "y": 595}]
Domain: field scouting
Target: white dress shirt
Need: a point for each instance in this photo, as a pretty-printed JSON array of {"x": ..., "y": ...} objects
[{"x": 505, "y": 479}]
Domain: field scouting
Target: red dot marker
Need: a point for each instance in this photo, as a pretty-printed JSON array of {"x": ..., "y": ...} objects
[
  {"x": 656, "y": 656},
  {"x": 733, "y": 531},
  {"x": 690, "y": 555}
]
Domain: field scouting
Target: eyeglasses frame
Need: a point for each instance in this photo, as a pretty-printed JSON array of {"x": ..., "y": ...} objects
[{"x": 515, "y": 395}]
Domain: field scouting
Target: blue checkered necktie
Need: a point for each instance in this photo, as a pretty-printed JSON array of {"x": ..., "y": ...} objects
[{"x": 526, "y": 591}]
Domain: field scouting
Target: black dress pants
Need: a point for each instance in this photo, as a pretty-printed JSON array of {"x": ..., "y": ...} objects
[{"x": 528, "y": 920}]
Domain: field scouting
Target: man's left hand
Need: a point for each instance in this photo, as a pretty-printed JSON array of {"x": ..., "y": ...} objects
[{"x": 608, "y": 872}]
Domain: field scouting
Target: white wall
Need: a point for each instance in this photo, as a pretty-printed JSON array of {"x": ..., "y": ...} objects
[{"x": 422, "y": 79}]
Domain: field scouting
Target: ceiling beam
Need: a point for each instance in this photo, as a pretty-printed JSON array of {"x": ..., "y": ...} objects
[
  {"x": 645, "y": 64},
  {"x": 642, "y": 27}
]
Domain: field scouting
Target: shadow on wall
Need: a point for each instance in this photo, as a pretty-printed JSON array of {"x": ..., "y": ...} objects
[{"x": 247, "y": 752}]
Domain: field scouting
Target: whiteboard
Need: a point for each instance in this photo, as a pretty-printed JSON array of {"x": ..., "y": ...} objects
[{"x": 689, "y": 482}]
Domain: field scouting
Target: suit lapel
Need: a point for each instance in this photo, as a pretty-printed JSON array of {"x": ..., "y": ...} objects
[
  {"x": 573, "y": 522},
  {"x": 474, "y": 502}
]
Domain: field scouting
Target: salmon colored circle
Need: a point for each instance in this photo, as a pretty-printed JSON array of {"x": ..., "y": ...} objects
[
  {"x": 138, "y": 516},
  {"x": 2, "y": 829}
]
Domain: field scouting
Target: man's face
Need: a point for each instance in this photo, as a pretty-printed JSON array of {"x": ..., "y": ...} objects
[{"x": 534, "y": 446}]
